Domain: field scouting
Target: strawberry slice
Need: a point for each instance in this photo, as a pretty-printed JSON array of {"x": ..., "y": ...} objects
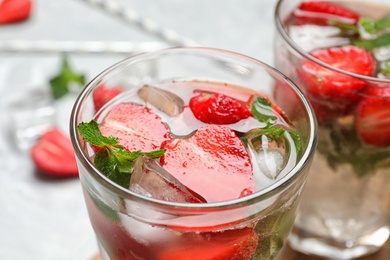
[
  {"x": 333, "y": 86},
  {"x": 372, "y": 121},
  {"x": 239, "y": 244},
  {"x": 213, "y": 163},
  {"x": 135, "y": 126},
  {"x": 12, "y": 11},
  {"x": 53, "y": 154},
  {"x": 320, "y": 13},
  {"x": 102, "y": 94},
  {"x": 216, "y": 108}
]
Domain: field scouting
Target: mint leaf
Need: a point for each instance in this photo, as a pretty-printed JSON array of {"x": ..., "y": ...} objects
[
  {"x": 91, "y": 134},
  {"x": 112, "y": 159},
  {"x": 368, "y": 25},
  {"x": 278, "y": 134},
  {"x": 380, "y": 41},
  {"x": 386, "y": 69},
  {"x": 272, "y": 133},
  {"x": 60, "y": 83},
  {"x": 382, "y": 23},
  {"x": 374, "y": 26},
  {"x": 296, "y": 139},
  {"x": 261, "y": 109}
]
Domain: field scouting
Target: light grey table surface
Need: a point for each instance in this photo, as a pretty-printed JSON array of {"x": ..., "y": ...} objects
[{"x": 45, "y": 218}]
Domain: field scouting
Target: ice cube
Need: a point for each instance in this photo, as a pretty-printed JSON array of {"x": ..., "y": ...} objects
[
  {"x": 269, "y": 154},
  {"x": 311, "y": 37},
  {"x": 152, "y": 180},
  {"x": 31, "y": 113},
  {"x": 166, "y": 101},
  {"x": 382, "y": 53}
]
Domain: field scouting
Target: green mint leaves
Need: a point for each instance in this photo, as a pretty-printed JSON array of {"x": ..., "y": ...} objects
[
  {"x": 369, "y": 26},
  {"x": 380, "y": 41},
  {"x": 112, "y": 159},
  {"x": 60, "y": 84},
  {"x": 374, "y": 26},
  {"x": 91, "y": 134},
  {"x": 262, "y": 110}
]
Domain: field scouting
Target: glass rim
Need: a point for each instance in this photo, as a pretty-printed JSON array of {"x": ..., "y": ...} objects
[
  {"x": 126, "y": 193},
  {"x": 281, "y": 29}
]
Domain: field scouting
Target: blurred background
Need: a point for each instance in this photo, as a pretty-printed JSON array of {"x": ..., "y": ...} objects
[{"x": 44, "y": 217}]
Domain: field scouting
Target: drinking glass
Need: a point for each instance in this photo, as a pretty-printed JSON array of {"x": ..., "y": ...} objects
[
  {"x": 344, "y": 212},
  {"x": 132, "y": 226}
]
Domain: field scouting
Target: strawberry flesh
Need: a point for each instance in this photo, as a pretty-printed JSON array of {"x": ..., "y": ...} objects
[
  {"x": 239, "y": 244},
  {"x": 372, "y": 121},
  {"x": 135, "y": 126},
  {"x": 12, "y": 11},
  {"x": 103, "y": 94},
  {"x": 53, "y": 154},
  {"x": 333, "y": 86},
  {"x": 320, "y": 13},
  {"x": 214, "y": 156},
  {"x": 215, "y": 108}
]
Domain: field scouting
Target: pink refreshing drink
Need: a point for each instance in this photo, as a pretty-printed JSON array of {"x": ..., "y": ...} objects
[
  {"x": 182, "y": 164},
  {"x": 338, "y": 53}
]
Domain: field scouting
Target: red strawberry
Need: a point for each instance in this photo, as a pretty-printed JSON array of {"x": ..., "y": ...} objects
[
  {"x": 53, "y": 154},
  {"x": 238, "y": 244},
  {"x": 135, "y": 126},
  {"x": 372, "y": 121},
  {"x": 12, "y": 11},
  {"x": 213, "y": 163},
  {"x": 333, "y": 86},
  {"x": 215, "y": 108},
  {"x": 321, "y": 13},
  {"x": 102, "y": 94}
]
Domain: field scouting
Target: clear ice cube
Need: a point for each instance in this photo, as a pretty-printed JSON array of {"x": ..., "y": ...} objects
[
  {"x": 30, "y": 114},
  {"x": 166, "y": 101},
  {"x": 382, "y": 53},
  {"x": 152, "y": 180},
  {"x": 268, "y": 154},
  {"x": 311, "y": 37}
]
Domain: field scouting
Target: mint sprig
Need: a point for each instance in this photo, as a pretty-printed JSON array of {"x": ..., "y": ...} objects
[
  {"x": 369, "y": 26},
  {"x": 261, "y": 109},
  {"x": 380, "y": 41},
  {"x": 112, "y": 159},
  {"x": 372, "y": 26},
  {"x": 60, "y": 84}
]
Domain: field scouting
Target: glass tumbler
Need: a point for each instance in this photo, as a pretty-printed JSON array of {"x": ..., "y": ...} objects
[
  {"x": 129, "y": 225},
  {"x": 344, "y": 212}
]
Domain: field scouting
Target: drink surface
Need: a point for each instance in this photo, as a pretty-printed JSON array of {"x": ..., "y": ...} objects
[
  {"x": 220, "y": 142},
  {"x": 345, "y": 199},
  {"x": 215, "y": 136}
]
